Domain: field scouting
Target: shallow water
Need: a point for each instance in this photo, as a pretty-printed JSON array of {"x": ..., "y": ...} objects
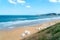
[{"x": 10, "y": 21}]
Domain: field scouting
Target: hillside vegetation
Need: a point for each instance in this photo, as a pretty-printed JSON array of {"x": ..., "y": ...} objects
[{"x": 51, "y": 33}]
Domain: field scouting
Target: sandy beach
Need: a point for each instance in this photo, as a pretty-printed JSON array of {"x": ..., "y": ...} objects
[{"x": 15, "y": 34}]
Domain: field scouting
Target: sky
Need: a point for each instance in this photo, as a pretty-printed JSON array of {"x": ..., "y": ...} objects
[{"x": 29, "y": 7}]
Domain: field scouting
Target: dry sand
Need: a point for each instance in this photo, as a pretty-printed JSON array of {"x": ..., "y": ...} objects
[{"x": 15, "y": 34}]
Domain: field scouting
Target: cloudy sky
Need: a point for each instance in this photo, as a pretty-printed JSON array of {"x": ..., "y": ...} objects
[{"x": 29, "y": 7}]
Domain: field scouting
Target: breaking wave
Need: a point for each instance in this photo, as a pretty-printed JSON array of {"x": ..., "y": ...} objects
[{"x": 14, "y": 24}]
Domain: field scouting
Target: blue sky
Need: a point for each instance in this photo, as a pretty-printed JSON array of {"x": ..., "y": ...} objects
[{"x": 29, "y": 7}]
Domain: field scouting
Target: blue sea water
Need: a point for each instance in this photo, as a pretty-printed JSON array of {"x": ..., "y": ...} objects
[
  {"x": 14, "y": 21},
  {"x": 7, "y": 18}
]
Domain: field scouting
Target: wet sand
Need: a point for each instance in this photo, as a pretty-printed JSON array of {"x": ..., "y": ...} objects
[{"x": 15, "y": 34}]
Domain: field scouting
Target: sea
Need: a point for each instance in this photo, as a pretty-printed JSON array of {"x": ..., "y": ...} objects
[{"x": 9, "y": 22}]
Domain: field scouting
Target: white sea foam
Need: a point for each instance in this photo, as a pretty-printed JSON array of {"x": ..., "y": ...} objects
[
  {"x": 10, "y": 27},
  {"x": 26, "y": 22}
]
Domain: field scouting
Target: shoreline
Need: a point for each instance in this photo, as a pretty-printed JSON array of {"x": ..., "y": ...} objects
[
  {"x": 27, "y": 24},
  {"x": 15, "y": 34}
]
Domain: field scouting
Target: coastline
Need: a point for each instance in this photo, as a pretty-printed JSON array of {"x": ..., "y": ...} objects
[
  {"x": 15, "y": 34},
  {"x": 18, "y": 24}
]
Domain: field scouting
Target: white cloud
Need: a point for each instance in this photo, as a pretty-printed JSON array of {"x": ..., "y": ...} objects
[
  {"x": 58, "y": 0},
  {"x": 12, "y": 1},
  {"x": 54, "y": 0},
  {"x": 21, "y": 1},
  {"x": 28, "y": 6}
]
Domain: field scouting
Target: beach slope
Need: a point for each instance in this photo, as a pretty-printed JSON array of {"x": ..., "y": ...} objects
[{"x": 16, "y": 33}]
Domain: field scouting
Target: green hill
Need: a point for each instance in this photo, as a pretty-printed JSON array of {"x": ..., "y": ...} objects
[{"x": 51, "y": 33}]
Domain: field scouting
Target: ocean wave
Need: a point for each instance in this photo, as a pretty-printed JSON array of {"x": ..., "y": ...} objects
[{"x": 25, "y": 22}]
